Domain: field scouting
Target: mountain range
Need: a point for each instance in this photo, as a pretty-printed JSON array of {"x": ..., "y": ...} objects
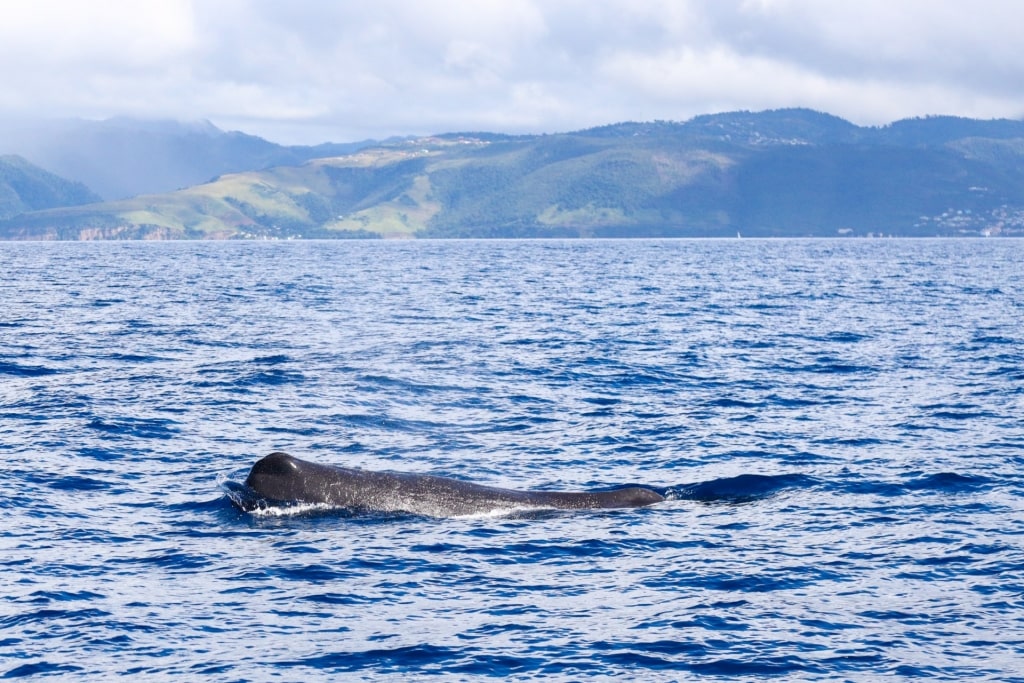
[{"x": 789, "y": 172}]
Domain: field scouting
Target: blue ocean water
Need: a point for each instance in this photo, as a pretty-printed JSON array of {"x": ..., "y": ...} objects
[{"x": 839, "y": 424}]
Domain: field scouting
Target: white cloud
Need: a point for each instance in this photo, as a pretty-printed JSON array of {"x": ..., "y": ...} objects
[
  {"x": 905, "y": 41},
  {"x": 97, "y": 58},
  {"x": 111, "y": 33},
  {"x": 308, "y": 71}
]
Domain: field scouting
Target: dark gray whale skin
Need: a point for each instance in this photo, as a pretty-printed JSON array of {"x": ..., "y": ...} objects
[{"x": 281, "y": 478}]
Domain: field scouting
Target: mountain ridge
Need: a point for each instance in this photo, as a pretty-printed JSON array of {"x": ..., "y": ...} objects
[{"x": 785, "y": 172}]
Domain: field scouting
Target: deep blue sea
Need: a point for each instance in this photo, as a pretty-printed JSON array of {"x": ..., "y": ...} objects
[{"x": 840, "y": 425}]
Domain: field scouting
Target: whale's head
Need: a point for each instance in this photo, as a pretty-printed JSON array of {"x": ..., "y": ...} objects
[
  {"x": 278, "y": 477},
  {"x": 275, "y": 464}
]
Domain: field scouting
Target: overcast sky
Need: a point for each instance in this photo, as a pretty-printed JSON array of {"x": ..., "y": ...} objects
[{"x": 306, "y": 71}]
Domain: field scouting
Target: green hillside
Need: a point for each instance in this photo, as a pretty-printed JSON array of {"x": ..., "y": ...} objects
[
  {"x": 780, "y": 173},
  {"x": 26, "y": 187}
]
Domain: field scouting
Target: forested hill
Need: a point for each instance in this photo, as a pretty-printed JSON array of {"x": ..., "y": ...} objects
[
  {"x": 26, "y": 187},
  {"x": 788, "y": 172}
]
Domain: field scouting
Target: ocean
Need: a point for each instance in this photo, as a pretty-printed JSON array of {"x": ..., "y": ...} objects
[{"x": 839, "y": 425}]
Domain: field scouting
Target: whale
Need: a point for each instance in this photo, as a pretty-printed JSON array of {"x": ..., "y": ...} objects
[{"x": 280, "y": 479}]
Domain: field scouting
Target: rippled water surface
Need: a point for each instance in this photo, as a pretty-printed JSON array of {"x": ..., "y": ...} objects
[{"x": 840, "y": 425}]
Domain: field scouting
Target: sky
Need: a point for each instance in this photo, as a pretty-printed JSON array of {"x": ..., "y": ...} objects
[{"x": 309, "y": 71}]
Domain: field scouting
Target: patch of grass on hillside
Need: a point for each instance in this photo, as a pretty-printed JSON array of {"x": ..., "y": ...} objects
[{"x": 403, "y": 216}]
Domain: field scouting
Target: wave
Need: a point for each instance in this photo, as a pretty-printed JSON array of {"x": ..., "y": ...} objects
[
  {"x": 19, "y": 370},
  {"x": 942, "y": 482},
  {"x": 738, "y": 489}
]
